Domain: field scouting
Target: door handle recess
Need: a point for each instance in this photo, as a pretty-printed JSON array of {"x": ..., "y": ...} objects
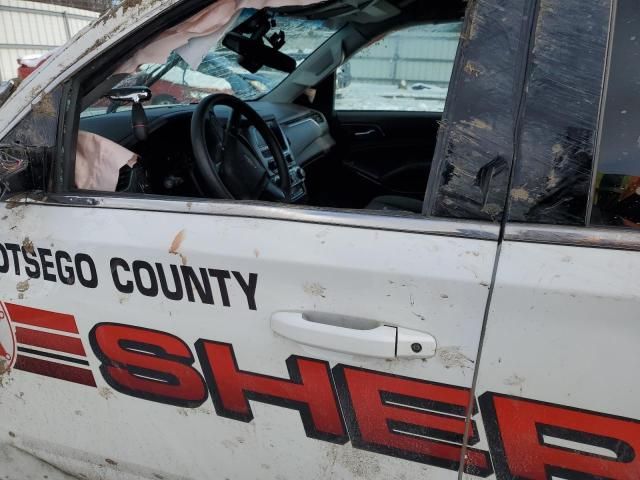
[
  {"x": 381, "y": 341},
  {"x": 365, "y": 133}
]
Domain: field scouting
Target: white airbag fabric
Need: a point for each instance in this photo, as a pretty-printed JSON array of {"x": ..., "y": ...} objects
[{"x": 98, "y": 162}]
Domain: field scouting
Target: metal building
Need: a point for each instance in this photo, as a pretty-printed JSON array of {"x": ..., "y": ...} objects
[{"x": 33, "y": 27}]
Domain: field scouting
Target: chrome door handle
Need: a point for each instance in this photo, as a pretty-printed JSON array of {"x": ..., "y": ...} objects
[
  {"x": 380, "y": 341},
  {"x": 366, "y": 133}
]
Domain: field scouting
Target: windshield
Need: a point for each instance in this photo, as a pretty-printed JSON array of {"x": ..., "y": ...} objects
[{"x": 174, "y": 82}]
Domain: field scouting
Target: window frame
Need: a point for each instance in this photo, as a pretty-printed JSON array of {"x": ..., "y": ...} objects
[
  {"x": 588, "y": 235},
  {"x": 470, "y": 69},
  {"x": 64, "y": 168},
  {"x": 530, "y": 175},
  {"x": 601, "y": 121}
]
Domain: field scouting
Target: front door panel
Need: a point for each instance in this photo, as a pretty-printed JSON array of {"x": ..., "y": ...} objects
[{"x": 145, "y": 347}]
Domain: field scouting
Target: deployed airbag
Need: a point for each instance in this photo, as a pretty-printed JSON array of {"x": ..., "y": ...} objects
[{"x": 98, "y": 162}]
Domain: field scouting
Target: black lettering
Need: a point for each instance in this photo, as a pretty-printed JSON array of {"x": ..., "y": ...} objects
[
  {"x": 65, "y": 273},
  {"x": 152, "y": 289},
  {"x": 191, "y": 280},
  {"x": 14, "y": 248},
  {"x": 249, "y": 289},
  {"x": 176, "y": 294},
  {"x": 222, "y": 276},
  {"x": 92, "y": 280},
  {"x": 32, "y": 267},
  {"x": 121, "y": 287},
  {"x": 5, "y": 260},
  {"x": 46, "y": 265}
]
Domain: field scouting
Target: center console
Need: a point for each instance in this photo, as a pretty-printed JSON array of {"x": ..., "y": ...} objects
[{"x": 296, "y": 173}]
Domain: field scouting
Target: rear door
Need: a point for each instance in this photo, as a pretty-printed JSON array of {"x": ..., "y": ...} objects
[
  {"x": 170, "y": 338},
  {"x": 557, "y": 381}
]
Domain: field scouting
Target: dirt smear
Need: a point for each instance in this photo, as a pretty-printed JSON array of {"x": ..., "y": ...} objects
[
  {"x": 23, "y": 286},
  {"x": 452, "y": 357},
  {"x": 315, "y": 289},
  {"x": 27, "y": 244},
  {"x": 46, "y": 107}
]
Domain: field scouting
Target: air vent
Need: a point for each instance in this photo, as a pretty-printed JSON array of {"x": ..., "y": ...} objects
[{"x": 315, "y": 116}]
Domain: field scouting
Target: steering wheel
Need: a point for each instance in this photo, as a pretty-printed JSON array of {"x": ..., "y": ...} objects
[{"x": 227, "y": 164}]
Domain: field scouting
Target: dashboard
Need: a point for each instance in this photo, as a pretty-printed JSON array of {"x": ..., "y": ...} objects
[
  {"x": 296, "y": 172},
  {"x": 302, "y": 133}
]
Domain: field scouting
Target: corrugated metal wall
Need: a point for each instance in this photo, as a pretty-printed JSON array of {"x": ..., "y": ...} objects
[
  {"x": 32, "y": 27},
  {"x": 416, "y": 55}
]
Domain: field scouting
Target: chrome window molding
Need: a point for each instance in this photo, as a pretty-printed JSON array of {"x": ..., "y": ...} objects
[
  {"x": 344, "y": 218},
  {"x": 609, "y": 238},
  {"x": 601, "y": 110}
]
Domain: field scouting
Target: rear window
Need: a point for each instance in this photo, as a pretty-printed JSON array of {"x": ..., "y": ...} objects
[{"x": 616, "y": 198}]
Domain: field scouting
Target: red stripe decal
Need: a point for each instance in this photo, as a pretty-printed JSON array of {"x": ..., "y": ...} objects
[
  {"x": 51, "y": 341},
  {"x": 55, "y": 370},
  {"x": 42, "y": 318}
]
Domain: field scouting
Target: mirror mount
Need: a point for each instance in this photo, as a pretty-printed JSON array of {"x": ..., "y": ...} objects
[
  {"x": 136, "y": 96},
  {"x": 248, "y": 41}
]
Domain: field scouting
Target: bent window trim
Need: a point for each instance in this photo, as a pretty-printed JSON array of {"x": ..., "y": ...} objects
[
  {"x": 574, "y": 236},
  {"x": 601, "y": 111},
  {"x": 414, "y": 224}
]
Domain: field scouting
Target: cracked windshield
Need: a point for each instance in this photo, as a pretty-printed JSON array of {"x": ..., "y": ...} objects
[
  {"x": 406, "y": 70},
  {"x": 175, "y": 82}
]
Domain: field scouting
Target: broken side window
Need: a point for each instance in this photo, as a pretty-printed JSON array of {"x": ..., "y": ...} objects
[{"x": 616, "y": 199}]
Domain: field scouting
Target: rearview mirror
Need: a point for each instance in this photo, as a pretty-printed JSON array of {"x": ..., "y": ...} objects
[
  {"x": 248, "y": 41},
  {"x": 254, "y": 54}
]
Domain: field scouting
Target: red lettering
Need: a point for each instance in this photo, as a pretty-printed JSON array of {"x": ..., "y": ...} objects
[
  {"x": 537, "y": 441},
  {"x": 397, "y": 416},
  {"x": 309, "y": 390},
  {"x": 409, "y": 418},
  {"x": 148, "y": 364}
]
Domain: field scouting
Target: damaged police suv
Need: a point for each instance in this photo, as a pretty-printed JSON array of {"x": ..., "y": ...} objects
[{"x": 351, "y": 239}]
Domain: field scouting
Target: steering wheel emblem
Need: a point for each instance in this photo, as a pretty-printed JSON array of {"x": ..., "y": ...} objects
[{"x": 7, "y": 343}]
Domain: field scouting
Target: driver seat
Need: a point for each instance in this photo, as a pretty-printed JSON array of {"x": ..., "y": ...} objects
[{"x": 396, "y": 203}]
